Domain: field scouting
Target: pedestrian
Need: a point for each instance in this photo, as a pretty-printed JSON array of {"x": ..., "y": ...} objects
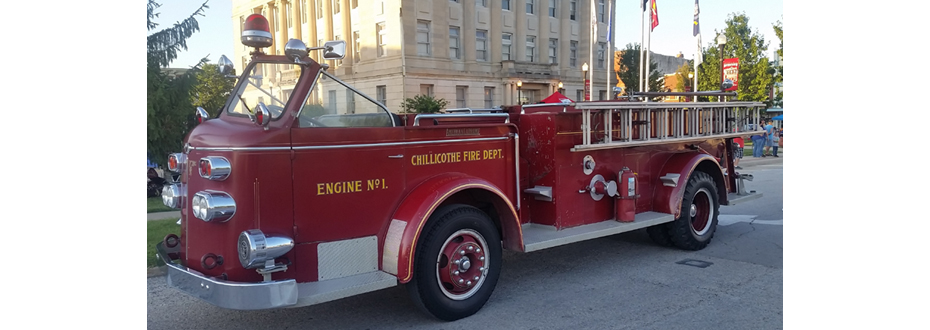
[
  {"x": 769, "y": 136},
  {"x": 738, "y": 151},
  {"x": 776, "y": 142},
  {"x": 758, "y": 141}
]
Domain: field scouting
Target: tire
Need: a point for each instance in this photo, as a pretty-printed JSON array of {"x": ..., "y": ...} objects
[
  {"x": 460, "y": 243},
  {"x": 697, "y": 222},
  {"x": 659, "y": 234}
]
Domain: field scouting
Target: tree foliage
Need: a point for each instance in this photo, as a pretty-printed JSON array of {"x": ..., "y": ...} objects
[
  {"x": 626, "y": 66},
  {"x": 684, "y": 83},
  {"x": 755, "y": 74},
  {"x": 170, "y": 111},
  {"x": 423, "y": 104},
  {"x": 779, "y": 69},
  {"x": 211, "y": 89}
]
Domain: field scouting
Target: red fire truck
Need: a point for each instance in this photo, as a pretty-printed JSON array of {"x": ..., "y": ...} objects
[{"x": 299, "y": 196}]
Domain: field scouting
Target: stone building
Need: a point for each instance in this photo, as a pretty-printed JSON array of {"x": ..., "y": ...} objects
[{"x": 472, "y": 53}]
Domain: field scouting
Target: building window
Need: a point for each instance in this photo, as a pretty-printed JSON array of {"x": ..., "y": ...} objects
[
  {"x": 601, "y": 95},
  {"x": 382, "y": 42},
  {"x": 505, "y": 46},
  {"x": 302, "y": 6},
  {"x": 579, "y": 95},
  {"x": 572, "y": 9},
  {"x": 573, "y": 54},
  {"x": 600, "y": 55},
  {"x": 454, "y": 42},
  {"x": 426, "y": 90},
  {"x": 356, "y": 46},
  {"x": 354, "y": 4},
  {"x": 460, "y": 92},
  {"x": 456, "y": 1},
  {"x": 287, "y": 12},
  {"x": 423, "y": 48},
  {"x": 336, "y": 7},
  {"x": 488, "y": 97},
  {"x": 481, "y": 45},
  {"x": 529, "y": 6},
  {"x": 350, "y": 102},
  {"x": 600, "y": 11},
  {"x": 482, "y": 3},
  {"x": 331, "y": 102},
  {"x": 319, "y": 9},
  {"x": 553, "y": 50},
  {"x": 505, "y": 4},
  {"x": 530, "y": 48},
  {"x": 552, "y": 8},
  {"x": 382, "y": 94}
]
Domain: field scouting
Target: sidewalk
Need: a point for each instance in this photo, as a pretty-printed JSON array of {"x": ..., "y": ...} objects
[{"x": 753, "y": 161}]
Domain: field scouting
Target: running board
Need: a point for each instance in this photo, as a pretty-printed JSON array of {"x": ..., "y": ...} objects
[
  {"x": 312, "y": 293},
  {"x": 537, "y": 237},
  {"x": 733, "y": 199}
]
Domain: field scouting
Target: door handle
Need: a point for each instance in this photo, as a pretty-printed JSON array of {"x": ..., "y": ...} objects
[{"x": 397, "y": 156}]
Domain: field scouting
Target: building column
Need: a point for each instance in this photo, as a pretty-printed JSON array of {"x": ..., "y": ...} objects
[
  {"x": 281, "y": 17},
  {"x": 295, "y": 18}
]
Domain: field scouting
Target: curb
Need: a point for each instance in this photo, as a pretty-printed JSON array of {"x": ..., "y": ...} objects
[{"x": 157, "y": 271}]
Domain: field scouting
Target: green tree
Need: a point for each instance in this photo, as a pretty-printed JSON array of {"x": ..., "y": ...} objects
[
  {"x": 684, "y": 83},
  {"x": 626, "y": 65},
  {"x": 423, "y": 104},
  {"x": 779, "y": 69},
  {"x": 755, "y": 75},
  {"x": 211, "y": 89},
  {"x": 169, "y": 111}
]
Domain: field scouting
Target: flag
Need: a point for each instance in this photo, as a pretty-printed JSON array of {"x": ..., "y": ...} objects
[
  {"x": 645, "y": 5},
  {"x": 699, "y": 56},
  {"x": 655, "y": 15}
]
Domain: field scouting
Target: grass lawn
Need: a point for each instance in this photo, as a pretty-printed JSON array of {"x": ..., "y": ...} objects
[
  {"x": 157, "y": 230},
  {"x": 156, "y": 205}
]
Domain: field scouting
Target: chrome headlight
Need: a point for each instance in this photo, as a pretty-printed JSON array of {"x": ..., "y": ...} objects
[
  {"x": 215, "y": 206},
  {"x": 173, "y": 195},
  {"x": 255, "y": 248}
]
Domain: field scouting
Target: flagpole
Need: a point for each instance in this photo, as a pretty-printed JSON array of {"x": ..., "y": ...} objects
[
  {"x": 648, "y": 46},
  {"x": 610, "y": 48},
  {"x": 642, "y": 42},
  {"x": 593, "y": 37}
]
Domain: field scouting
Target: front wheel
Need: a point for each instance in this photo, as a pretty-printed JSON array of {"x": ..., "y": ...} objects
[
  {"x": 697, "y": 222},
  {"x": 457, "y": 263}
]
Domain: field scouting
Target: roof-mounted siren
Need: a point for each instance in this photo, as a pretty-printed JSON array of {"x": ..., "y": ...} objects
[{"x": 255, "y": 32}]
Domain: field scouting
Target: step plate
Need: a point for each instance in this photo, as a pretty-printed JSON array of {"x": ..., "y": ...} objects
[
  {"x": 312, "y": 293},
  {"x": 537, "y": 237}
]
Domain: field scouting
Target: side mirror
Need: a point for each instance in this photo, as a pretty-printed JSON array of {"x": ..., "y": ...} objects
[
  {"x": 334, "y": 50},
  {"x": 225, "y": 65}
]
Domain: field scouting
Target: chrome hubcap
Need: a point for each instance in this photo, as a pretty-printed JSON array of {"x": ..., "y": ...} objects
[{"x": 458, "y": 277}]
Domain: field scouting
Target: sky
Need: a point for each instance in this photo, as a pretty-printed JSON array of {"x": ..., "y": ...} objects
[{"x": 673, "y": 35}]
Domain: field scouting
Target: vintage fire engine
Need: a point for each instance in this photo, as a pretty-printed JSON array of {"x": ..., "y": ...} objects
[{"x": 299, "y": 196}]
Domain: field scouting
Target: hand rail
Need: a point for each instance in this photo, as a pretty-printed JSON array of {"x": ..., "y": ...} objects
[{"x": 416, "y": 120}]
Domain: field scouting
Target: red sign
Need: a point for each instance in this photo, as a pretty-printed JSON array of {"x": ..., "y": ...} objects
[
  {"x": 587, "y": 90},
  {"x": 731, "y": 72}
]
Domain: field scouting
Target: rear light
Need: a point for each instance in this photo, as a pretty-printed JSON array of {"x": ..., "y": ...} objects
[
  {"x": 201, "y": 115},
  {"x": 213, "y": 206},
  {"x": 176, "y": 162},
  {"x": 262, "y": 115},
  {"x": 214, "y": 168},
  {"x": 256, "y": 249},
  {"x": 255, "y": 32},
  {"x": 173, "y": 195}
]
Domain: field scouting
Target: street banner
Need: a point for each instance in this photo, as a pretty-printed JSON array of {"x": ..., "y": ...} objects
[
  {"x": 587, "y": 90},
  {"x": 731, "y": 72}
]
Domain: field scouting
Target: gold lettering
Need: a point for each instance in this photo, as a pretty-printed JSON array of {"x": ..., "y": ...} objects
[{"x": 319, "y": 189}]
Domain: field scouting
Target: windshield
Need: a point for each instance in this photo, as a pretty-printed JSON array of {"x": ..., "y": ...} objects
[
  {"x": 333, "y": 103},
  {"x": 270, "y": 83}
]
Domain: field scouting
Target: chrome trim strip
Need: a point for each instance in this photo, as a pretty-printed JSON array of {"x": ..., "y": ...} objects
[
  {"x": 416, "y": 120},
  {"x": 256, "y": 33},
  {"x": 239, "y": 148},
  {"x": 400, "y": 143},
  {"x": 516, "y": 161},
  {"x": 226, "y": 294}
]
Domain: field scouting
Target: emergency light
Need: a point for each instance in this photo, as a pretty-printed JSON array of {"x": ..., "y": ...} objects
[{"x": 255, "y": 32}]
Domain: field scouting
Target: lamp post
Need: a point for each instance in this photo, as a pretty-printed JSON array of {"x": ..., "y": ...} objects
[
  {"x": 520, "y": 92},
  {"x": 721, "y": 40},
  {"x": 561, "y": 91},
  {"x": 587, "y": 89}
]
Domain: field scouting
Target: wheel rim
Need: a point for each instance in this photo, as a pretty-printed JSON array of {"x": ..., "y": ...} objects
[
  {"x": 462, "y": 264},
  {"x": 701, "y": 212}
]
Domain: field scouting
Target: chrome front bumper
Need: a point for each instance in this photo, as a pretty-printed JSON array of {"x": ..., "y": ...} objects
[{"x": 226, "y": 294}]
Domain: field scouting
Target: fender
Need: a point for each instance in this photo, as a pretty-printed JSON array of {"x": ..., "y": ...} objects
[
  {"x": 408, "y": 221},
  {"x": 668, "y": 199}
]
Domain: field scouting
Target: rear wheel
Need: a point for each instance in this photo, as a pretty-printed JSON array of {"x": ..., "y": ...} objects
[
  {"x": 697, "y": 222},
  {"x": 457, "y": 263}
]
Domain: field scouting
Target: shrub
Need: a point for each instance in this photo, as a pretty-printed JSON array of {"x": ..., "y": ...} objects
[{"x": 423, "y": 104}]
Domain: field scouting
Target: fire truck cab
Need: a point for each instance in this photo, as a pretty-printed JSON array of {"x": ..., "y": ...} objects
[{"x": 303, "y": 190}]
